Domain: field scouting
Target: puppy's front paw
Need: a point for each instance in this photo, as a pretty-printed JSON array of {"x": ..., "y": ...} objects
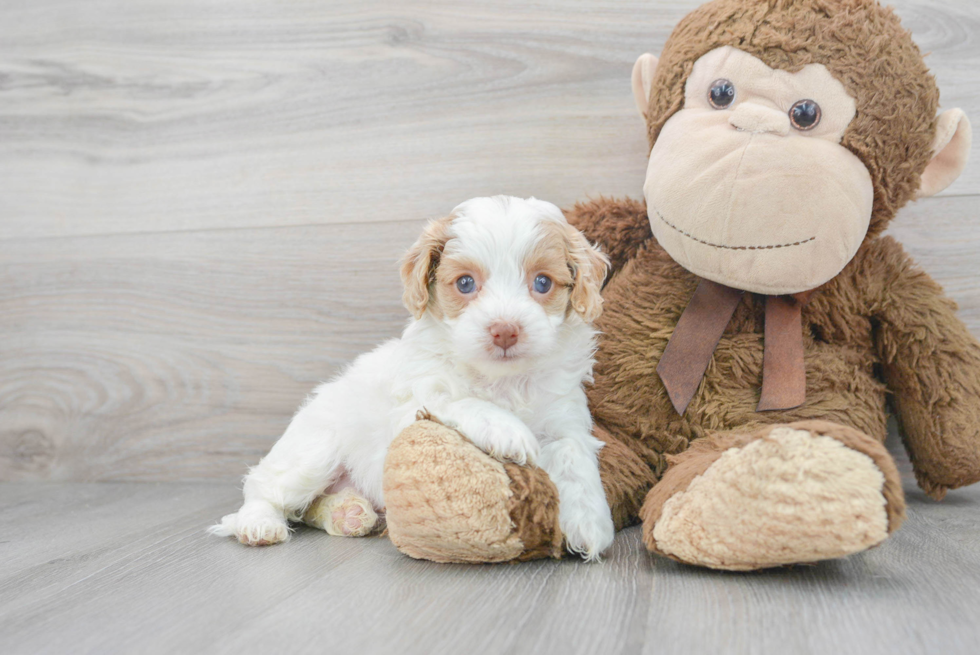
[
  {"x": 504, "y": 437},
  {"x": 587, "y": 532},
  {"x": 257, "y": 524}
]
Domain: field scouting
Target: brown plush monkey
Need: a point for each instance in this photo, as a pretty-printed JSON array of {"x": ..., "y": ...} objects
[{"x": 756, "y": 323}]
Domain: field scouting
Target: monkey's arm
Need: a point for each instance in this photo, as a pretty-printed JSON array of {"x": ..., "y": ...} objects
[
  {"x": 620, "y": 227},
  {"x": 931, "y": 365}
]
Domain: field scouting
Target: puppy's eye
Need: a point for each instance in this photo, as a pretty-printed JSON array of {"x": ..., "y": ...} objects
[
  {"x": 542, "y": 284},
  {"x": 466, "y": 284},
  {"x": 805, "y": 115},
  {"x": 722, "y": 94}
]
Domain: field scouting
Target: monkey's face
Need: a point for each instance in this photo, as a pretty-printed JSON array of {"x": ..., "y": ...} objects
[{"x": 748, "y": 184}]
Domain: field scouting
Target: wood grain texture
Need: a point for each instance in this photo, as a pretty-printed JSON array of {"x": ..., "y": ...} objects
[
  {"x": 943, "y": 236},
  {"x": 181, "y": 355},
  {"x": 123, "y": 567},
  {"x": 187, "y": 114}
]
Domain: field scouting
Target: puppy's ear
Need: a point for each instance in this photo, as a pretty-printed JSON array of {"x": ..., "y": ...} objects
[
  {"x": 589, "y": 267},
  {"x": 420, "y": 262}
]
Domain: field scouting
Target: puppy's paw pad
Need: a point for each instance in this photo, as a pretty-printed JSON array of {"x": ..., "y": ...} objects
[{"x": 344, "y": 514}]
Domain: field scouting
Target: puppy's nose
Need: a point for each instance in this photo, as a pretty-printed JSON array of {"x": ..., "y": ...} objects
[{"x": 504, "y": 334}]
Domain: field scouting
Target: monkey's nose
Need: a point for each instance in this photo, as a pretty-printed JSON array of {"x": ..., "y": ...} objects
[
  {"x": 504, "y": 334},
  {"x": 758, "y": 119}
]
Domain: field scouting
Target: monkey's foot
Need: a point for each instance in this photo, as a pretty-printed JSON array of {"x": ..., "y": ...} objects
[
  {"x": 343, "y": 514},
  {"x": 448, "y": 501},
  {"x": 782, "y": 494}
]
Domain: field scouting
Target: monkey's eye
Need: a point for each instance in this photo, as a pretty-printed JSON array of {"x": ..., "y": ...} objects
[
  {"x": 804, "y": 115},
  {"x": 722, "y": 94},
  {"x": 542, "y": 284},
  {"x": 466, "y": 284}
]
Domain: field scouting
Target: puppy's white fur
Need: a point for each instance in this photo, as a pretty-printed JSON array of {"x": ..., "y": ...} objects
[{"x": 525, "y": 403}]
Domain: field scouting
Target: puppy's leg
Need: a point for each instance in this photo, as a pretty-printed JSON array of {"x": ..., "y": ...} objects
[
  {"x": 492, "y": 429},
  {"x": 297, "y": 470},
  {"x": 572, "y": 464}
]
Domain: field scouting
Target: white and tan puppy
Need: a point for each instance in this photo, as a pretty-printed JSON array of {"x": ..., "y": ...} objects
[{"x": 503, "y": 292}]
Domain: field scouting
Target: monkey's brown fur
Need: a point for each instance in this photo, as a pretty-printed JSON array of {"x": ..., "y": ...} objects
[
  {"x": 881, "y": 329},
  {"x": 880, "y": 332}
]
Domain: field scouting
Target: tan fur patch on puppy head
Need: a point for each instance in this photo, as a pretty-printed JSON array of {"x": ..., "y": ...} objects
[
  {"x": 447, "y": 299},
  {"x": 419, "y": 264},
  {"x": 589, "y": 267},
  {"x": 576, "y": 268},
  {"x": 551, "y": 257},
  {"x": 510, "y": 281}
]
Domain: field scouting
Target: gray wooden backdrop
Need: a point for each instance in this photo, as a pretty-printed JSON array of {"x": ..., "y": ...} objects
[{"x": 202, "y": 201}]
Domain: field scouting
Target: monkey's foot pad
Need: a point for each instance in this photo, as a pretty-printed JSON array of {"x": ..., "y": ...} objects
[
  {"x": 783, "y": 494},
  {"x": 448, "y": 501}
]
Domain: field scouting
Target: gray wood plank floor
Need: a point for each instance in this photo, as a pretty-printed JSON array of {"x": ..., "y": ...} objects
[{"x": 127, "y": 568}]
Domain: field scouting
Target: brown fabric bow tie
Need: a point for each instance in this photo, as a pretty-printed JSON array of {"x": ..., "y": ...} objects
[{"x": 699, "y": 330}]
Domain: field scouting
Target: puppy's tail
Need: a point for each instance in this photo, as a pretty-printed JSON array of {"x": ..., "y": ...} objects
[{"x": 226, "y": 528}]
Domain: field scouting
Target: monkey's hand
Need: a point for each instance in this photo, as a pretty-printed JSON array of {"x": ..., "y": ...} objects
[
  {"x": 619, "y": 227},
  {"x": 931, "y": 364}
]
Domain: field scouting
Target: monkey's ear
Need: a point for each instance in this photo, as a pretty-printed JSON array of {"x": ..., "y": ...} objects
[
  {"x": 950, "y": 150},
  {"x": 643, "y": 71}
]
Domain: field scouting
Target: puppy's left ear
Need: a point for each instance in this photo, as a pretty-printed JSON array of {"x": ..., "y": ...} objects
[
  {"x": 589, "y": 267},
  {"x": 419, "y": 265}
]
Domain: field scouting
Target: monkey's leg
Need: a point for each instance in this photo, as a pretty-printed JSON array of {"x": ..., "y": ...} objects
[
  {"x": 625, "y": 477},
  {"x": 781, "y": 494},
  {"x": 931, "y": 364},
  {"x": 448, "y": 501}
]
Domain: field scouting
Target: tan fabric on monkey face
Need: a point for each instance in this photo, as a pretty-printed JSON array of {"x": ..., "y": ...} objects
[{"x": 740, "y": 197}]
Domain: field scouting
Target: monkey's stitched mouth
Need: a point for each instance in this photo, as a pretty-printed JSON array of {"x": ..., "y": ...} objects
[{"x": 720, "y": 245}]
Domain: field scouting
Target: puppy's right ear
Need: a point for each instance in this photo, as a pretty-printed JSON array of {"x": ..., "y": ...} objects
[{"x": 420, "y": 262}]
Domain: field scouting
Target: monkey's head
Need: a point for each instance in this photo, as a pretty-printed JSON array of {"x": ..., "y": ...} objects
[{"x": 786, "y": 133}]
